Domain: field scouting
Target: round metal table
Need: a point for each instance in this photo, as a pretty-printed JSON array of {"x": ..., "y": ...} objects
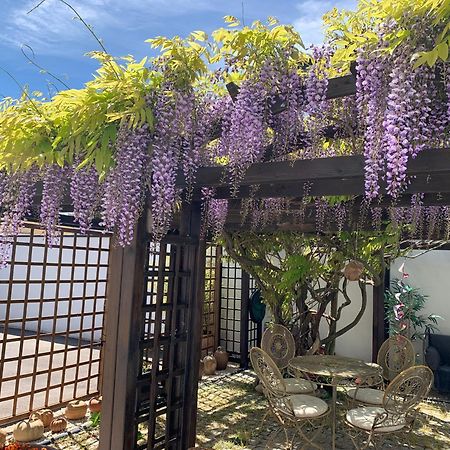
[{"x": 335, "y": 369}]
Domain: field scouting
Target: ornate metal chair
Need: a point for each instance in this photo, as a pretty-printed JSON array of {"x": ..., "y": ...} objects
[
  {"x": 395, "y": 355},
  {"x": 368, "y": 425},
  {"x": 279, "y": 344},
  {"x": 305, "y": 414}
]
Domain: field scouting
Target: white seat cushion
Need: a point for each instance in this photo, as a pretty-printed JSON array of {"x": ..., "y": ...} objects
[
  {"x": 305, "y": 406},
  {"x": 367, "y": 395},
  {"x": 299, "y": 386},
  {"x": 364, "y": 419}
]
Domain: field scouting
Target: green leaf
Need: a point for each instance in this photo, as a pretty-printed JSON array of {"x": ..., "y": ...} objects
[{"x": 442, "y": 51}]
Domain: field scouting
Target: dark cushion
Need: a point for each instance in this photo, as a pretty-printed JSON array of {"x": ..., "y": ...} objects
[
  {"x": 432, "y": 358},
  {"x": 442, "y": 379},
  {"x": 441, "y": 343}
]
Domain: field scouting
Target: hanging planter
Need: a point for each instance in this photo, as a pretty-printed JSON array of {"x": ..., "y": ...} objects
[{"x": 353, "y": 270}]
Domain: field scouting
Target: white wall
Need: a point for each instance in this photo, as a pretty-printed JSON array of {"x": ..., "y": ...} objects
[
  {"x": 430, "y": 272},
  {"x": 44, "y": 285},
  {"x": 356, "y": 343},
  {"x": 230, "y": 323}
]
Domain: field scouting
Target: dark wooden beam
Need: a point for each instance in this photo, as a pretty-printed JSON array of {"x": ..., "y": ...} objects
[
  {"x": 341, "y": 175},
  {"x": 341, "y": 86}
]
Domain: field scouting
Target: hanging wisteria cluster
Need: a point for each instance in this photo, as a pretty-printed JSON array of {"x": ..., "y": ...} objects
[
  {"x": 124, "y": 189},
  {"x": 279, "y": 112},
  {"x": 401, "y": 112}
]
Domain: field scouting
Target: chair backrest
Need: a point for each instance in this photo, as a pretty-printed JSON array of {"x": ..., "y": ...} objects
[
  {"x": 278, "y": 342},
  {"x": 407, "y": 389},
  {"x": 395, "y": 355},
  {"x": 267, "y": 372}
]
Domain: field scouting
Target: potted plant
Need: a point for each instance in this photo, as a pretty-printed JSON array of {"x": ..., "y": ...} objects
[{"x": 403, "y": 306}]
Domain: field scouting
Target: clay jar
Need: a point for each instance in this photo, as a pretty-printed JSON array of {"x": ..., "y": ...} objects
[
  {"x": 201, "y": 370},
  {"x": 28, "y": 430},
  {"x": 221, "y": 356},
  {"x": 209, "y": 365},
  {"x": 3, "y": 435},
  {"x": 46, "y": 415},
  {"x": 353, "y": 270},
  {"x": 95, "y": 404},
  {"x": 59, "y": 424},
  {"x": 76, "y": 409}
]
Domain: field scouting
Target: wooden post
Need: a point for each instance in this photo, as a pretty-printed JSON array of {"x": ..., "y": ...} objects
[
  {"x": 123, "y": 324},
  {"x": 245, "y": 291},
  {"x": 195, "y": 260},
  {"x": 379, "y": 326},
  {"x": 217, "y": 295}
]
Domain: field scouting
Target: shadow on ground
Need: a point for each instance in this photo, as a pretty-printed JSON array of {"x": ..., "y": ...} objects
[{"x": 230, "y": 414}]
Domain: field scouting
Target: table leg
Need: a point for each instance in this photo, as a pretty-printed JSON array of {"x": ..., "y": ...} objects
[{"x": 333, "y": 415}]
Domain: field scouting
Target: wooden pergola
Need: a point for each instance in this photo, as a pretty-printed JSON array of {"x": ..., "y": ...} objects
[{"x": 155, "y": 298}]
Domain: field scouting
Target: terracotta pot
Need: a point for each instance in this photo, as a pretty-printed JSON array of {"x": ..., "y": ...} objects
[
  {"x": 28, "y": 430},
  {"x": 59, "y": 424},
  {"x": 209, "y": 365},
  {"x": 201, "y": 370},
  {"x": 46, "y": 415},
  {"x": 353, "y": 270},
  {"x": 76, "y": 409},
  {"x": 3, "y": 435},
  {"x": 221, "y": 356},
  {"x": 95, "y": 404}
]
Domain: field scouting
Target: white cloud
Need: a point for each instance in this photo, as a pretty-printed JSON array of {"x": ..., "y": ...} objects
[
  {"x": 309, "y": 24},
  {"x": 53, "y": 25}
]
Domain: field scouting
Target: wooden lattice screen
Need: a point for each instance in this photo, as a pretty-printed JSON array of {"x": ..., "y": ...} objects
[
  {"x": 238, "y": 333},
  {"x": 152, "y": 354},
  {"x": 210, "y": 326},
  {"x": 52, "y": 302}
]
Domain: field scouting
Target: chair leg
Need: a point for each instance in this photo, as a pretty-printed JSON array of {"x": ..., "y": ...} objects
[{"x": 309, "y": 441}]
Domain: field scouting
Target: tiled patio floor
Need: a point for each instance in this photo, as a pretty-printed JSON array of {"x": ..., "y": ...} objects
[{"x": 230, "y": 414}]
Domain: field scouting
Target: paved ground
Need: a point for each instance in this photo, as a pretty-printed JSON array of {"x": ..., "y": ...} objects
[{"x": 230, "y": 414}]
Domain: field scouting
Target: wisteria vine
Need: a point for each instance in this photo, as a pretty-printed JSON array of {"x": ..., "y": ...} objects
[{"x": 280, "y": 111}]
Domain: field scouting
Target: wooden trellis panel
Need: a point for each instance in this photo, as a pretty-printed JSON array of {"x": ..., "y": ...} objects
[
  {"x": 237, "y": 332},
  {"x": 210, "y": 325},
  {"x": 52, "y": 302},
  {"x": 154, "y": 335}
]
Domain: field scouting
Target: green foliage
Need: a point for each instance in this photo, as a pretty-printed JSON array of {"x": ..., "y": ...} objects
[
  {"x": 95, "y": 419},
  {"x": 248, "y": 48},
  {"x": 82, "y": 124},
  {"x": 413, "y": 301},
  {"x": 284, "y": 261},
  {"x": 78, "y": 123},
  {"x": 184, "y": 61},
  {"x": 348, "y": 31}
]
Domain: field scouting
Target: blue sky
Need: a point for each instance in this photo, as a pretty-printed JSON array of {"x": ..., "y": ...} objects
[{"x": 60, "y": 42}]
